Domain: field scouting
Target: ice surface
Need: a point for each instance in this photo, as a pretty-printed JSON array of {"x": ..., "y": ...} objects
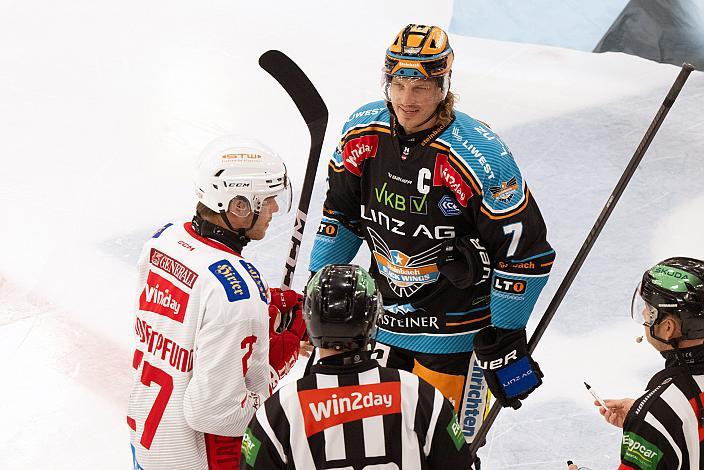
[{"x": 106, "y": 105}]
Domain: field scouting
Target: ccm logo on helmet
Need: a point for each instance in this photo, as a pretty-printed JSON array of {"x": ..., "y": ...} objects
[
  {"x": 498, "y": 363},
  {"x": 238, "y": 184}
]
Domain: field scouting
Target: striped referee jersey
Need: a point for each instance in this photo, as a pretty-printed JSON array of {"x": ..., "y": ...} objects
[
  {"x": 663, "y": 429},
  {"x": 355, "y": 416}
]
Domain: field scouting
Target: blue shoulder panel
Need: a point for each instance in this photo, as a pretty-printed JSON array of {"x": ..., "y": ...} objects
[
  {"x": 375, "y": 111},
  {"x": 490, "y": 162},
  {"x": 334, "y": 244},
  {"x": 235, "y": 287},
  {"x": 158, "y": 233}
]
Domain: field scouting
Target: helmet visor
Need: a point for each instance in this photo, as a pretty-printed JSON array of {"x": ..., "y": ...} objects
[
  {"x": 275, "y": 203},
  {"x": 641, "y": 311},
  {"x": 415, "y": 90}
]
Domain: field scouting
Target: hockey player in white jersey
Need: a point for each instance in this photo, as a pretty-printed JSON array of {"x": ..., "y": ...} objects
[{"x": 201, "y": 365}]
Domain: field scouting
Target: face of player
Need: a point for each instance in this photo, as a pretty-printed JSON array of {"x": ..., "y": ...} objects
[
  {"x": 240, "y": 215},
  {"x": 414, "y": 101},
  {"x": 269, "y": 208}
]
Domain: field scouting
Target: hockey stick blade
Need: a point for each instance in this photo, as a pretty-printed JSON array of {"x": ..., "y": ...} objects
[
  {"x": 315, "y": 114},
  {"x": 592, "y": 236}
]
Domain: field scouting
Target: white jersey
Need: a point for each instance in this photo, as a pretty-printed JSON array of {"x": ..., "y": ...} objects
[{"x": 201, "y": 361}]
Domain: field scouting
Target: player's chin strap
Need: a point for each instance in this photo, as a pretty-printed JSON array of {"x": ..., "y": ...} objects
[
  {"x": 241, "y": 231},
  {"x": 235, "y": 239}
]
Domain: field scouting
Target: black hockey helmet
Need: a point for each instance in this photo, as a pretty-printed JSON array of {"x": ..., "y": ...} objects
[
  {"x": 674, "y": 286},
  {"x": 341, "y": 308}
]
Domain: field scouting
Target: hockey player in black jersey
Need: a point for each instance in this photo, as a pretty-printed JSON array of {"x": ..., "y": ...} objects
[
  {"x": 458, "y": 244},
  {"x": 347, "y": 412},
  {"x": 664, "y": 428}
]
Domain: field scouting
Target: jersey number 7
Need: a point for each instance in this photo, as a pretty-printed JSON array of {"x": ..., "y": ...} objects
[{"x": 152, "y": 375}]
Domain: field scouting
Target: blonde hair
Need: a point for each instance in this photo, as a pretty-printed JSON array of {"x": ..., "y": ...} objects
[{"x": 447, "y": 109}]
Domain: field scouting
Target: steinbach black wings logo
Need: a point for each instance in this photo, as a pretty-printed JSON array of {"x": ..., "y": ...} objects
[{"x": 506, "y": 191}]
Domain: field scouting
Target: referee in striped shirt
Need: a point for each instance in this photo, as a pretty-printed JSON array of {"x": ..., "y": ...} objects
[
  {"x": 664, "y": 428},
  {"x": 347, "y": 411}
]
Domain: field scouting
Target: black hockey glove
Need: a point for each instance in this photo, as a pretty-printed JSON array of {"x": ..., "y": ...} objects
[
  {"x": 509, "y": 370},
  {"x": 464, "y": 261}
]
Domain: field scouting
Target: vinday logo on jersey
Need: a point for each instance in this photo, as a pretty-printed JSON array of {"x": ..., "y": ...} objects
[
  {"x": 329, "y": 407},
  {"x": 641, "y": 452},
  {"x": 447, "y": 176},
  {"x": 357, "y": 150},
  {"x": 448, "y": 207},
  {"x": 235, "y": 287},
  {"x": 162, "y": 297}
]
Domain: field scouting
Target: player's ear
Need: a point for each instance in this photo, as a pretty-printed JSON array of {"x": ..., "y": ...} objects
[{"x": 240, "y": 207}]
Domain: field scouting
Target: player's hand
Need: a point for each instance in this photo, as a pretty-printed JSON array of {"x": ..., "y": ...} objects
[
  {"x": 290, "y": 304},
  {"x": 464, "y": 261},
  {"x": 510, "y": 371},
  {"x": 618, "y": 409}
]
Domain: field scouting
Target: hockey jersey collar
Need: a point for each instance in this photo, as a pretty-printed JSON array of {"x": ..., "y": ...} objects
[
  {"x": 210, "y": 242},
  {"x": 694, "y": 358},
  {"x": 333, "y": 366}
]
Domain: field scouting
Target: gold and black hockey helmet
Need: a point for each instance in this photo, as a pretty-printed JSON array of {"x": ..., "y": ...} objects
[{"x": 419, "y": 51}]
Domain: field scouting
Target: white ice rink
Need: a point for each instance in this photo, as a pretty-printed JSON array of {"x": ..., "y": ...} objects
[{"x": 105, "y": 105}]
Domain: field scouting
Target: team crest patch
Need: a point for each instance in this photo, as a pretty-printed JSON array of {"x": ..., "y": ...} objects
[
  {"x": 256, "y": 277},
  {"x": 505, "y": 192},
  {"x": 639, "y": 451},
  {"x": 235, "y": 287},
  {"x": 405, "y": 274},
  {"x": 448, "y": 207}
]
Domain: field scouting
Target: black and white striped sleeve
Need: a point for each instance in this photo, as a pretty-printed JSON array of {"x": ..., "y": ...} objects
[
  {"x": 444, "y": 444},
  {"x": 262, "y": 446}
]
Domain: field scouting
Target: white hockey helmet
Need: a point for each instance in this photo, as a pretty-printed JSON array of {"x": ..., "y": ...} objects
[{"x": 235, "y": 166}]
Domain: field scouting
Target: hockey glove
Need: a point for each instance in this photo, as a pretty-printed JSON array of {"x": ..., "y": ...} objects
[
  {"x": 284, "y": 345},
  {"x": 510, "y": 372},
  {"x": 464, "y": 261}
]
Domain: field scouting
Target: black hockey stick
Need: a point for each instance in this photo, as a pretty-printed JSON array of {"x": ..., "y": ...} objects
[
  {"x": 315, "y": 114},
  {"x": 591, "y": 237}
]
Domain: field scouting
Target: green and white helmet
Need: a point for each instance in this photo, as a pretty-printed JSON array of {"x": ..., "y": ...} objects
[{"x": 674, "y": 286}]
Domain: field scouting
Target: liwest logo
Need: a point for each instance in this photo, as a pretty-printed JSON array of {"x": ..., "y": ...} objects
[
  {"x": 162, "y": 297},
  {"x": 173, "y": 267},
  {"x": 329, "y": 407},
  {"x": 357, "y": 150},
  {"x": 445, "y": 175},
  {"x": 235, "y": 287}
]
